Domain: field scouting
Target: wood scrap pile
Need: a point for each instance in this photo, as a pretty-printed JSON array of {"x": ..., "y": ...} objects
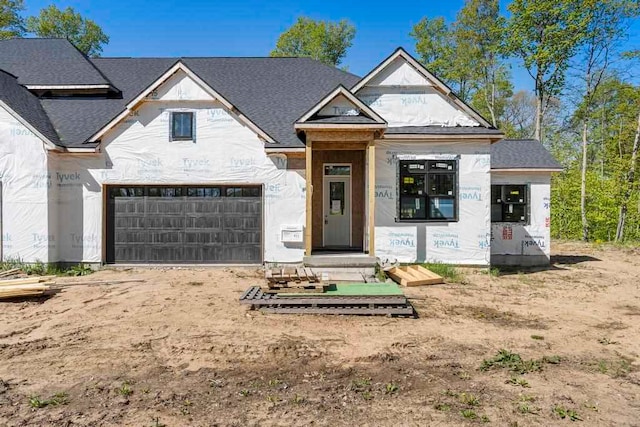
[
  {"x": 414, "y": 275},
  {"x": 24, "y": 287},
  {"x": 292, "y": 277}
]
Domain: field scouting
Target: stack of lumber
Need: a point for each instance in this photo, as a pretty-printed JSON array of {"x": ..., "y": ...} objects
[
  {"x": 414, "y": 275},
  {"x": 10, "y": 273},
  {"x": 25, "y": 287},
  {"x": 291, "y": 277}
]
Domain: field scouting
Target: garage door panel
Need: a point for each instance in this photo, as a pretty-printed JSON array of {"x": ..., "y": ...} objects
[{"x": 185, "y": 224}]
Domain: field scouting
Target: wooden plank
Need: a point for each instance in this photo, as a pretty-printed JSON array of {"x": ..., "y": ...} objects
[
  {"x": 430, "y": 274},
  {"x": 11, "y": 272},
  {"x": 308, "y": 195},
  {"x": 371, "y": 152},
  {"x": 34, "y": 279},
  {"x": 331, "y": 301},
  {"x": 302, "y": 277},
  {"x": 384, "y": 311},
  {"x": 412, "y": 276}
]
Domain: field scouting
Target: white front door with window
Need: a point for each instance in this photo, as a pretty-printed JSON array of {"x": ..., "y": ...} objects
[{"x": 337, "y": 205}]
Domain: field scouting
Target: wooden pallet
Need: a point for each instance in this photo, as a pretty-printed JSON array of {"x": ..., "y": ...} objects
[
  {"x": 414, "y": 275},
  {"x": 363, "y": 305},
  {"x": 301, "y": 277}
]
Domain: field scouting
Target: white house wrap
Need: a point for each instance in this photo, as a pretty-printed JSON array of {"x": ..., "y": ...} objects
[{"x": 222, "y": 160}]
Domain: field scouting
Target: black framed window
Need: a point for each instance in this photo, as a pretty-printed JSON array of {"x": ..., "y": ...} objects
[
  {"x": 510, "y": 203},
  {"x": 181, "y": 126},
  {"x": 428, "y": 190}
]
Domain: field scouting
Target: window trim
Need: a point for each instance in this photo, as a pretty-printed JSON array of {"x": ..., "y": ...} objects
[
  {"x": 527, "y": 203},
  {"x": 172, "y": 136},
  {"x": 426, "y": 197}
]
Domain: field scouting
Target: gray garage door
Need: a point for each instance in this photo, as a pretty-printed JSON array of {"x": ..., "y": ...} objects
[{"x": 184, "y": 224}]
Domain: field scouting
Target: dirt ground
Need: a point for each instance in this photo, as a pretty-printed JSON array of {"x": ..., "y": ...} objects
[{"x": 178, "y": 350}]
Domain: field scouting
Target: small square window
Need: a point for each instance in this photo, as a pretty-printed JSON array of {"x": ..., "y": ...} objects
[{"x": 181, "y": 126}]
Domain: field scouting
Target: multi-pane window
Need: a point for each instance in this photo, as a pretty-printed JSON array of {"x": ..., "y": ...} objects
[
  {"x": 428, "y": 190},
  {"x": 509, "y": 203},
  {"x": 182, "y": 126}
]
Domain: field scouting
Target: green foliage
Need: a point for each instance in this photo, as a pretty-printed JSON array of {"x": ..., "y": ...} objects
[
  {"x": 11, "y": 23},
  {"x": 563, "y": 413},
  {"x": 325, "y": 41},
  {"x": 447, "y": 271},
  {"x": 466, "y": 55},
  {"x": 515, "y": 363},
  {"x": 84, "y": 33},
  {"x": 79, "y": 270},
  {"x": 613, "y": 121},
  {"x": 57, "y": 399}
]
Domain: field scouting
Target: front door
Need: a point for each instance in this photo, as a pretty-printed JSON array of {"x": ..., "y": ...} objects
[{"x": 337, "y": 205}]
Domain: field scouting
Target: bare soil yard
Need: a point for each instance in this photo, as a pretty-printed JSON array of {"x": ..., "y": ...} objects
[{"x": 178, "y": 350}]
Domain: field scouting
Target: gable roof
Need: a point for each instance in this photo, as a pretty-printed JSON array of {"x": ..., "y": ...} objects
[
  {"x": 271, "y": 92},
  {"x": 522, "y": 154},
  {"x": 365, "y": 116},
  {"x": 26, "y": 108},
  {"x": 437, "y": 83},
  {"x": 49, "y": 62}
]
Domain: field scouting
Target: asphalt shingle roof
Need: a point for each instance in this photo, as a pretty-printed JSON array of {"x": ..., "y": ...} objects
[
  {"x": 25, "y": 104},
  {"x": 521, "y": 154},
  {"x": 53, "y": 62}
]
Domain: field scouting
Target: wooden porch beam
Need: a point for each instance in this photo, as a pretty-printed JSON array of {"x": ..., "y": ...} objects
[
  {"x": 309, "y": 199},
  {"x": 371, "y": 165}
]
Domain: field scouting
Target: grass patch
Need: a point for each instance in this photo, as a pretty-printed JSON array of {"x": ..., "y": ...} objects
[
  {"x": 513, "y": 362},
  {"x": 125, "y": 389},
  {"x": 537, "y": 337},
  {"x": 518, "y": 381},
  {"x": 563, "y": 413},
  {"x": 614, "y": 368},
  {"x": 469, "y": 414},
  {"x": 57, "y": 399},
  {"x": 447, "y": 271},
  {"x": 39, "y": 268}
]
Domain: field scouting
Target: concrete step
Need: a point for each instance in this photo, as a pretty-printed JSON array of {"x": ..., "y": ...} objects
[
  {"x": 349, "y": 274},
  {"x": 340, "y": 261}
]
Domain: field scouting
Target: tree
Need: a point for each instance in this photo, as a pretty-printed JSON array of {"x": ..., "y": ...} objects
[
  {"x": 325, "y": 41},
  {"x": 466, "y": 55},
  {"x": 11, "y": 24},
  {"x": 84, "y": 33},
  {"x": 479, "y": 32},
  {"x": 545, "y": 35},
  {"x": 604, "y": 28},
  {"x": 631, "y": 172}
]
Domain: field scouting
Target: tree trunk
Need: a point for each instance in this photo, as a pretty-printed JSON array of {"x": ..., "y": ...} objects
[
  {"x": 538, "y": 134},
  {"x": 583, "y": 182},
  {"x": 630, "y": 181}
]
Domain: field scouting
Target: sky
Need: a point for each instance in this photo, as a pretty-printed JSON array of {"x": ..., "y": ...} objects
[{"x": 251, "y": 28}]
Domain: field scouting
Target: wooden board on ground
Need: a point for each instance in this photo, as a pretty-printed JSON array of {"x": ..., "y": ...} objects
[
  {"x": 414, "y": 275},
  {"x": 26, "y": 280},
  {"x": 12, "y": 272}
]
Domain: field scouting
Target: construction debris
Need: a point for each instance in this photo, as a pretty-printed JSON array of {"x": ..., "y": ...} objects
[
  {"x": 414, "y": 275},
  {"x": 25, "y": 287},
  {"x": 360, "y": 298},
  {"x": 9, "y": 273},
  {"x": 291, "y": 277}
]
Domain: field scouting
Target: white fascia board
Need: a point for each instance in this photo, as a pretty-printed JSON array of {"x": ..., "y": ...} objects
[
  {"x": 329, "y": 126},
  {"x": 443, "y": 88},
  {"x": 174, "y": 69},
  {"x": 66, "y": 87},
  {"x": 341, "y": 90},
  {"x": 285, "y": 150},
  {"x": 48, "y": 144}
]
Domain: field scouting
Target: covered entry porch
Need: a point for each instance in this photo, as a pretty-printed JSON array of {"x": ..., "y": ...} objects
[{"x": 340, "y": 188}]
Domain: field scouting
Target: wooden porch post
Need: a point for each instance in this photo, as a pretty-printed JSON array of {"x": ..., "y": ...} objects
[
  {"x": 371, "y": 164},
  {"x": 309, "y": 195}
]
